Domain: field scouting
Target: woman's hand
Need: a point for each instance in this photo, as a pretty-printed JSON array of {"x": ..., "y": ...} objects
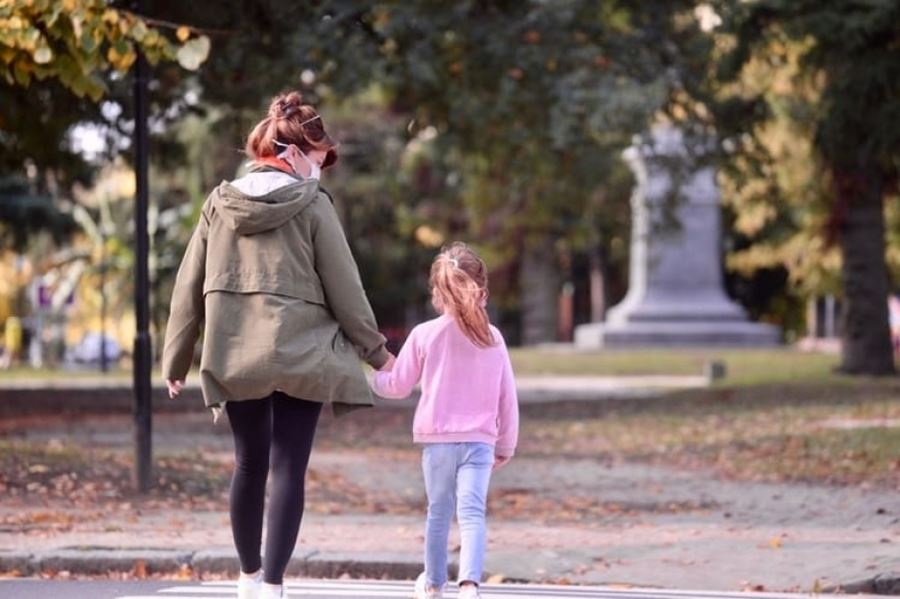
[
  {"x": 389, "y": 365},
  {"x": 501, "y": 460},
  {"x": 175, "y": 388}
]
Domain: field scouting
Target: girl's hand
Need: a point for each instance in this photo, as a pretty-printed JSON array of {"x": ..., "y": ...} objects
[
  {"x": 501, "y": 460},
  {"x": 175, "y": 388}
]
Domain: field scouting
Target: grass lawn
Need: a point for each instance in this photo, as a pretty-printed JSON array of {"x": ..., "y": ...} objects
[
  {"x": 744, "y": 366},
  {"x": 21, "y": 373},
  {"x": 844, "y": 434}
]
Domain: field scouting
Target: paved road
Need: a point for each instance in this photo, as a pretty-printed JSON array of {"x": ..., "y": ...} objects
[{"x": 335, "y": 589}]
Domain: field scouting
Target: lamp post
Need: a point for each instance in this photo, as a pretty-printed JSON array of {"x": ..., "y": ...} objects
[
  {"x": 104, "y": 363},
  {"x": 142, "y": 353}
]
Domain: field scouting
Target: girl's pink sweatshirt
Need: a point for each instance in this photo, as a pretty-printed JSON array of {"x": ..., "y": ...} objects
[{"x": 468, "y": 392}]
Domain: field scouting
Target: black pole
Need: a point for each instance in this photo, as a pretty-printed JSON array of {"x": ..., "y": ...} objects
[
  {"x": 104, "y": 363},
  {"x": 142, "y": 357}
]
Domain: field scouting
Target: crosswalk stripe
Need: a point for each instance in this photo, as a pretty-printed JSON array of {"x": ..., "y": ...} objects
[
  {"x": 217, "y": 593},
  {"x": 296, "y": 591},
  {"x": 592, "y": 591},
  {"x": 404, "y": 589},
  {"x": 367, "y": 594}
]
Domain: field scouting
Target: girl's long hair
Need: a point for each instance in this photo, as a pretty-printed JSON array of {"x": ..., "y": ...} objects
[{"x": 459, "y": 287}]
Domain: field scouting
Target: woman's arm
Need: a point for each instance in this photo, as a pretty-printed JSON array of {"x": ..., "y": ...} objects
[
  {"x": 344, "y": 292},
  {"x": 186, "y": 309}
]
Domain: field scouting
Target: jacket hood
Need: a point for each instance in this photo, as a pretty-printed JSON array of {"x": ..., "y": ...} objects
[{"x": 251, "y": 214}]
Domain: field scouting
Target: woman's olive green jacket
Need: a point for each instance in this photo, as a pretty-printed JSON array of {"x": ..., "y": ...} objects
[{"x": 271, "y": 280}]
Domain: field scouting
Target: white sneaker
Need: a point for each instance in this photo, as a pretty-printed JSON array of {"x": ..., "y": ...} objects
[
  {"x": 250, "y": 587},
  {"x": 422, "y": 591},
  {"x": 269, "y": 592},
  {"x": 470, "y": 591}
]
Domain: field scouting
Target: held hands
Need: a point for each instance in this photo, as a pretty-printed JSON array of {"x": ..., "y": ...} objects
[
  {"x": 389, "y": 365},
  {"x": 175, "y": 388}
]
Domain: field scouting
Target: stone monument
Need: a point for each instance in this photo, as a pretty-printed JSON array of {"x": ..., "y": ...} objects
[{"x": 675, "y": 295}]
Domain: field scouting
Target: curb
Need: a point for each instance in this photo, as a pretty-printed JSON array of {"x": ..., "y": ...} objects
[
  {"x": 313, "y": 564},
  {"x": 101, "y": 560},
  {"x": 91, "y": 396},
  {"x": 17, "y": 402},
  {"x": 887, "y": 583}
]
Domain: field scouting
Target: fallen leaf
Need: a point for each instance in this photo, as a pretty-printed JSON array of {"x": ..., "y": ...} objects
[
  {"x": 184, "y": 572},
  {"x": 140, "y": 569}
]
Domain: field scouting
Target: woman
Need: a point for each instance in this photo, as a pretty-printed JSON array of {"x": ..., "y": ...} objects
[{"x": 269, "y": 273}]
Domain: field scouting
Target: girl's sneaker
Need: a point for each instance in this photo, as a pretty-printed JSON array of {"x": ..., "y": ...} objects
[
  {"x": 249, "y": 587},
  {"x": 270, "y": 592},
  {"x": 423, "y": 592},
  {"x": 469, "y": 591}
]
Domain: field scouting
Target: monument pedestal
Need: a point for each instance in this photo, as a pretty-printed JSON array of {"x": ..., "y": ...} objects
[
  {"x": 675, "y": 295},
  {"x": 675, "y": 334}
]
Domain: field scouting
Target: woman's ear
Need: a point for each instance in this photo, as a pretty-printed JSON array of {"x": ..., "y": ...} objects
[
  {"x": 292, "y": 152},
  {"x": 292, "y": 157}
]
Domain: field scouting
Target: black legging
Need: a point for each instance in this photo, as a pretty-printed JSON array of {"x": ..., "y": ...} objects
[{"x": 272, "y": 433}]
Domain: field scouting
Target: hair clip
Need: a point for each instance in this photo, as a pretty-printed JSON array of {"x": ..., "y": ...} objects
[
  {"x": 454, "y": 262},
  {"x": 286, "y": 108}
]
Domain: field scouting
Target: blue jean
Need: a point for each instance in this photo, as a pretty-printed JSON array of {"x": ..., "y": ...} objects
[{"x": 457, "y": 476}]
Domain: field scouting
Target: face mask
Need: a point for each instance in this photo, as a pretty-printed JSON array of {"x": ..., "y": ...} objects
[{"x": 314, "y": 170}]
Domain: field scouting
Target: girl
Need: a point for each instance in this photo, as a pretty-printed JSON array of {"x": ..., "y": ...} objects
[
  {"x": 269, "y": 271},
  {"x": 467, "y": 417}
]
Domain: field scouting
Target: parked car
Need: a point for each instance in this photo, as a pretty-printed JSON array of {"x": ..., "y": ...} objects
[{"x": 88, "y": 349}]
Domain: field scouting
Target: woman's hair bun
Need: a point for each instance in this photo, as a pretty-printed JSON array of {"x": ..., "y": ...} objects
[
  {"x": 290, "y": 121},
  {"x": 286, "y": 106}
]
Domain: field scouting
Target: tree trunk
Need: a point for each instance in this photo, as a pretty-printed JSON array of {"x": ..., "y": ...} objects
[
  {"x": 598, "y": 287},
  {"x": 866, "y": 335},
  {"x": 539, "y": 284}
]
